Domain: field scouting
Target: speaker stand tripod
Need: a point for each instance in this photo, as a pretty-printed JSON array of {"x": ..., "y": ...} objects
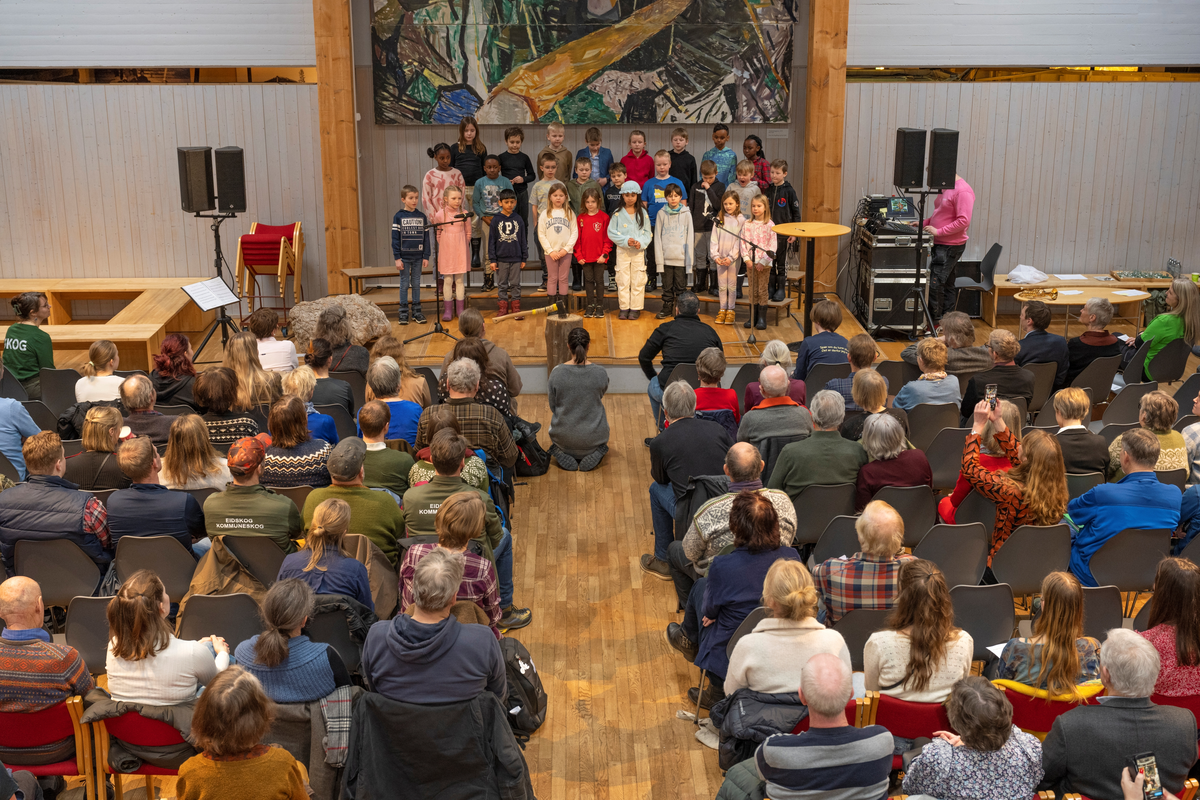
[{"x": 223, "y": 321}]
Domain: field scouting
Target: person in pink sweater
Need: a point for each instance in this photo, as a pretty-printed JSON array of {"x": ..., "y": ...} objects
[{"x": 948, "y": 227}]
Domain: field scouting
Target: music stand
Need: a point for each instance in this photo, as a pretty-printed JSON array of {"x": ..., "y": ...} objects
[
  {"x": 223, "y": 320},
  {"x": 437, "y": 295}
]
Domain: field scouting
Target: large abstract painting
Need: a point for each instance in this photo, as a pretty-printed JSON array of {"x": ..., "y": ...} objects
[{"x": 582, "y": 61}]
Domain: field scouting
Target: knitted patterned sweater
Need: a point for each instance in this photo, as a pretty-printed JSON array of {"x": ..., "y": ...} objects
[
  {"x": 303, "y": 465},
  {"x": 709, "y": 531}
]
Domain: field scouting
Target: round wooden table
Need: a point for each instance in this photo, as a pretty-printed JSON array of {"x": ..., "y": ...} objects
[
  {"x": 811, "y": 231},
  {"x": 1065, "y": 301}
]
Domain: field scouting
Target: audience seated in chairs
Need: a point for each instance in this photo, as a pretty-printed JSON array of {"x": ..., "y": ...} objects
[
  {"x": 870, "y": 393},
  {"x": 920, "y": 655},
  {"x": 16, "y": 425},
  {"x": 174, "y": 374},
  {"x": 861, "y": 353},
  {"x": 246, "y": 507},
  {"x": 710, "y": 533},
  {"x": 95, "y": 469},
  {"x": 1058, "y": 656},
  {"x": 46, "y": 506},
  {"x": 383, "y": 383},
  {"x": 294, "y": 458},
  {"x": 871, "y": 577},
  {"x": 146, "y": 663},
  {"x": 1156, "y": 413},
  {"x": 323, "y": 563},
  {"x": 777, "y": 414},
  {"x": 732, "y": 589},
  {"x": 492, "y": 391},
  {"x": 474, "y": 470},
  {"x": 383, "y": 467},
  {"x": 831, "y": 758},
  {"x": 1181, "y": 321},
  {"x": 232, "y": 717},
  {"x": 1041, "y": 346},
  {"x": 256, "y": 386},
  {"x": 771, "y": 657},
  {"x": 334, "y": 327},
  {"x": 1082, "y": 450},
  {"x": 822, "y": 459},
  {"x": 935, "y": 385},
  {"x": 216, "y": 390},
  {"x": 578, "y": 423},
  {"x": 29, "y": 349},
  {"x": 1095, "y": 342},
  {"x": 190, "y": 461},
  {"x": 1033, "y": 492},
  {"x": 710, "y": 369},
  {"x": 988, "y": 758},
  {"x": 275, "y": 355},
  {"x": 774, "y": 353},
  {"x": 1138, "y": 500},
  {"x": 891, "y": 463},
  {"x": 301, "y": 382},
  {"x": 1011, "y": 381},
  {"x": 374, "y": 513},
  {"x": 826, "y": 345},
  {"x": 688, "y": 447},
  {"x": 679, "y": 341},
  {"x": 500, "y": 365},
  {"x": 137, "y": 395},
  {"x": 1087, "y": 742},
  {"x": 147, "y": 508},
  {"x": 99, "y": 384},
  {"x": 328, "y": 391},
  {"x": 957, "y": 332},
  {"x": 431, "y": 657},
  {"x": 1191, "y": 439},
  {"x": 1175, "y": 627},
  {"x": 413, "y": 387},
  {"x": 459, "y": 520},
  {"x": 991, "y": 459},
  {"x": 483, "y": 426},
  {"x": 291, "y": 667},
  {"x": 421, "y": 504}
]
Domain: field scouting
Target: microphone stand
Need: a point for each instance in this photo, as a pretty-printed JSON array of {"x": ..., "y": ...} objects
[
  {"x": 437, "y": 287},
  {"x": 754, "y": 248}
]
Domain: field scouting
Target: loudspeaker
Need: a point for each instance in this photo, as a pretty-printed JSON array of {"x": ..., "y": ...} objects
[
  {"x": 196, "y": 179},
  {"x": 231, "y": 179},
  {"x": 910, "y": 158},
  {"x": 943, "y": 158}
]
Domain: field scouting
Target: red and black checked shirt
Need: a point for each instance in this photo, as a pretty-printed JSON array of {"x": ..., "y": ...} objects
[
  {"x": 1011, "y": 510},
  {"x": 478, "y": 583},
  {"x": 762, "y": 172},
  {"x": 95, "y": 522},
  {"x": 861, "y": 581}
]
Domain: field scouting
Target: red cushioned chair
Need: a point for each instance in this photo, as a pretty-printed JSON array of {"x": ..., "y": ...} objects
[
  {"x": 45, "y": 727},
  {"x": 906, "y": 720},
  {"x": 135, "y": 729},
  {"x": 1034, "y": 711},
  {"x": 1190, "y": 786},
  {"x": 274, "y": 250},
  {"x": 854, "y": 714}
]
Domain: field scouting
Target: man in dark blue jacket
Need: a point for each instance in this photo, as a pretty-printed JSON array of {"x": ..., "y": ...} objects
[
  {"x": 1040, "y": 346},
  {"x": 410, "y": 248},
  {"x": 147, "y": 508}
]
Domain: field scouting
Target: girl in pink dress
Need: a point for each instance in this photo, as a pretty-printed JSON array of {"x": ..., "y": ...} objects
[
  {"x": 437, "y": 180},
  {"x": 759, "y": 230},
  {"x": 454, "y": 251}
]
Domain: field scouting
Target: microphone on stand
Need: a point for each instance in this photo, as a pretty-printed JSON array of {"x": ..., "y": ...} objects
[{"x": 465, "y": 215}]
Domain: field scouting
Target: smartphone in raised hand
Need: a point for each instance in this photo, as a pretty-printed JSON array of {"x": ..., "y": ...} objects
[{"x": 1145, "y": 764}]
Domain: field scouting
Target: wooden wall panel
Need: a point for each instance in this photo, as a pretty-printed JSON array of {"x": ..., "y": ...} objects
[
  {"x": 89, "y": 185},
  {"x": 1068, "y": 177}
]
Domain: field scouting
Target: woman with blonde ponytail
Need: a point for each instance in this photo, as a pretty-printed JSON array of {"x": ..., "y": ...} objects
[
  {"x": 770, "y": 658},
  {"x": 99, "y": 384},
  {"x": 324, "y": 563}
]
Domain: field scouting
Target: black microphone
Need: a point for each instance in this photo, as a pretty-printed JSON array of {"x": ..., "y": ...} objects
[{"x": 465, "y": 215}]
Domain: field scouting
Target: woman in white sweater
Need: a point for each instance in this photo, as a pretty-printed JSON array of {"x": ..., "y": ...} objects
[
  {"x": 770, "y": 658},
  {"x": 920, "y": 654},
  {"x": 146, "y": 663}
]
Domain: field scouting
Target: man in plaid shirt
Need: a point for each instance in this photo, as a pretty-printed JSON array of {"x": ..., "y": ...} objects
[
  {"x": 483, "y": 426},
  {"x": 458, "y": 519},
  {"x": 869, "y": 579}
]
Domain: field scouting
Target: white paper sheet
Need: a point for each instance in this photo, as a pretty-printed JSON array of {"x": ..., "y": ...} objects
[
  {"x": 211, "y": 294},
  {"x": 1129, "y": 292},
  {"x": 1070, "y": 291},
  {"x": 1072, "y": 277},
  {"x": 997, "y": 649}
]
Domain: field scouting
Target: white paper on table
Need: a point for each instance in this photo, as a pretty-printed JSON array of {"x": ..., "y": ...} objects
[
  {"x": 997, "y": 649},
  {"x": 1129, "y": 292},
  {"x": 1073, "y": 277},
  {"x": 1070, "y": 291}
]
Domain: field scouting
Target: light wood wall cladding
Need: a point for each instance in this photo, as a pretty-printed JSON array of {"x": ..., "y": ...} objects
[
  {"x": 1068, "y": 177},
  {"x": 89, "y": 182}
]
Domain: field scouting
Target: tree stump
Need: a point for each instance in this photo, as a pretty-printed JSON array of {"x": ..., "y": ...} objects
[{"x": 557, "y": 329}]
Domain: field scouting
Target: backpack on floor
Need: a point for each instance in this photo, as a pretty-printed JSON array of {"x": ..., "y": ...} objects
[
  {"x": 532, "y": 460},
  {"x": 526, "y": 701}
]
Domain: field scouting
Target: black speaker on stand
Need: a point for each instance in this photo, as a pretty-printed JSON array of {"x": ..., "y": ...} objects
[
  {"x": 231, "y": 179},
  {"x": 943, "y": 158},
  {"x": 910, "y": 158},
  {"x": 196, "y": 190}
]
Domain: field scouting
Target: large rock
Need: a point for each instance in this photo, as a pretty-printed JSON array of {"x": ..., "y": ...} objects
[{"x": 367, "y": 320}]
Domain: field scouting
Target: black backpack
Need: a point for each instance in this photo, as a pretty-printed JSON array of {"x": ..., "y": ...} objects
[
  {"x": 532, "y": 460},
  {"x": 526, "y": 700}
]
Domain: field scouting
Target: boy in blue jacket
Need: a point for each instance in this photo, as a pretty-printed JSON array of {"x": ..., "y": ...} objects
[
  {"x": 509, "y": 249},
  {"x": 410, "y": 248}
]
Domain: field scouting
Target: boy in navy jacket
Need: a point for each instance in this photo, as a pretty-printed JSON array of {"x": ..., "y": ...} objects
[
  {"x": 410, "y": 248},
  {"x": 508, "y": 247}
]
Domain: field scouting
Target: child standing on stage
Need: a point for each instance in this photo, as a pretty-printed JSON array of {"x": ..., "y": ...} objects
[
  {"x": 759, "y": 230},
  {"x": 600, "y": 157},
  {"x": 454, "y": 260},
  {"x": 629, "y": 231},
  {"x": 410, "y": 248},
  {"x": 537, "y": 196},
  {"x": 557, "y": 234},
  {"x": 555, "y": 133},
  {"x": 509, "y": 249},
  {"x": 486, "y": 200},
  {"x": 591, "y": 250},
  {"x": 433, "y": 192},
  {"x": 726, "y": 253},
  {"x": 706, "y": 203},
  {"x": 745, "y": 186},
  {"x": 612, "y": 204},
  {"x": 516, "y": 166},
  {"x": 785, "y": 207},
  {"x": 654, "y": 198},
  {"x": 722, "y": 155},
  {"x": 752, "y": 149},
  {"x": 683, "y": 163},
  {"x": 582, "y": 181},
  {"x": 674, "y": 240},
  {"x": 469, "y": 153}
]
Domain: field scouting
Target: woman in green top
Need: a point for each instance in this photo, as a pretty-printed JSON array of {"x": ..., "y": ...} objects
[
  {"x": 27, "y": 348},
  {"x": 1182, "y": 321}
]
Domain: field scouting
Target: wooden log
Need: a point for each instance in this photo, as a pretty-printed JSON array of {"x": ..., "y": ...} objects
[{"x": 557, "y": 329}]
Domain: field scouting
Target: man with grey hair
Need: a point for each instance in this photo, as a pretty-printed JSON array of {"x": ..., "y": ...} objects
[
  {"x": 430, "y": 657},
  {"x": 680, "y": 341},
  {"x": 824, "y": 458},
  {"x": 688, "y": 447},
  {"x": 483, "y": 426},
  {"x": 1124, "y": 723},
  {"x": 832, "y": 759},
  {"x": 137, "y": 395},
  {"x": 1096, "y": 341},
  {"x": 777, "y": 414}
]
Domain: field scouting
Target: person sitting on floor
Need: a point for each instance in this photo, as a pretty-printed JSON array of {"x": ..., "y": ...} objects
[
  {"x": 246, "y": 507},
  {"x": 1157, "y": 411},
  {"x": 578, "y": 423},
  {"x": 431, "y": 657},
  {"x": 1082, "y": 450},
  {"x": 1011, "y": 381},
  {"x": 680, "y": 341},
  {"x": 383, "y": 467},
  {"x": 1058, "y": 656},
  {"x": 870, "y": 578},
  {"x": 892, "y": 462},
  {"x": 301, "y": 382},
  {"x": 275, "y": 355},
  {"x": 216, "y": 391},
  {"x": 870, "y": 393},
  {"x": 1174, "y": 627},
  {"x": 777, "y": 414},
  {"x": 775, "y": 353},
  {"x": 147, "y": 508},
  {"x": 1041, "y": 346},
  {"x": 861, "y": 353},
  {"x": 98, "y": 383},
  {"x": 294, "y": 458},
  {"x": 957, "y": 332},
  {"x": 483, "y": 426},
  {"x": 95, "y": 469},
  {"x": 1095, "y": 342},
  {"x": 190, "y": 461},
  {"x": 323, "y": 562},
  {"x": 935, "y": 385},
  {"x": 826, "y": 345},
  {"x": 137, "y": 395},
  {"x": 383, "y": 382},
  {"x": 822, "y": 459},
  {"x": 291, "y": 667}
]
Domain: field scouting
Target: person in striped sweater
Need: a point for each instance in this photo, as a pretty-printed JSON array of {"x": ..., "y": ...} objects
[{"x": 294, "y": 458}]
